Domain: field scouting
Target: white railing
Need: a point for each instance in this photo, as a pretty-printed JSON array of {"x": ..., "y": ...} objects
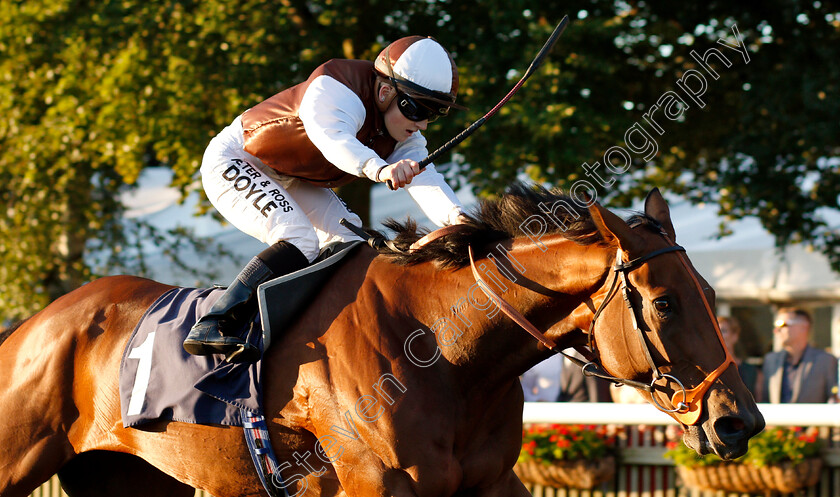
[{"x": 827, "y": 415}]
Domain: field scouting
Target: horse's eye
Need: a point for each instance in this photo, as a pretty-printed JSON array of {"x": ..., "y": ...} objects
[{"x": 662, "y": 305}]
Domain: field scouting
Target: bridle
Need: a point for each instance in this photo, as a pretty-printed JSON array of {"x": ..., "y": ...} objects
[
  {"x": 620, "y": 271},
  {"x": 686, "y": 402}
]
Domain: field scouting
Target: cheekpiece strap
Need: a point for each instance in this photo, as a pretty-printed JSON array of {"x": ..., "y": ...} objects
[{"x": 634, "y": 263}]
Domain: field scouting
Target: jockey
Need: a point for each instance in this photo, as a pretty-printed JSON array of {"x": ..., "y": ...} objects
[{"x": 270, "y": 172}]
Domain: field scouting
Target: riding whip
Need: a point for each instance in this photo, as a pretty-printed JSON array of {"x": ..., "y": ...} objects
[{"x": 549, "y": 44}]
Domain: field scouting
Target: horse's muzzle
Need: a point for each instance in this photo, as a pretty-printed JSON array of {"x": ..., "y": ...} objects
[{"x": 727, "y": 429}]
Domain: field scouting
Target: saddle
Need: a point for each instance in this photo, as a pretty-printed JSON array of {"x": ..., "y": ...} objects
[
  {"x": 280, "y": 299},
  {"x": 159, "y": 380}
]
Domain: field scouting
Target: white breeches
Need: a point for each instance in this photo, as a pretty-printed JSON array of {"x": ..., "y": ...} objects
[{"x": 266, "y": 205}]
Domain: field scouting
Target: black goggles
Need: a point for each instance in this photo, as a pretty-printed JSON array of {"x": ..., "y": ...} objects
[{"x": 415, "y": 110}]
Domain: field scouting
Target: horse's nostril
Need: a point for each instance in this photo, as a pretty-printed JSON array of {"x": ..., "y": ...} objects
[
  {"x": 733, "y": 432},
  {"x": 729, "y": 427}
]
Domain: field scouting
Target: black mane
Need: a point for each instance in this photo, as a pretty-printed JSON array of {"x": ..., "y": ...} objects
[
  {"x": 500, "y": 219},
  {"x": 494, "y": 220},
  {"x": 5, "y": 334}
]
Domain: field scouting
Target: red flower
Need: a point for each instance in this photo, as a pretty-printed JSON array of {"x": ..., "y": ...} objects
[{"x": 567, "y": 442}]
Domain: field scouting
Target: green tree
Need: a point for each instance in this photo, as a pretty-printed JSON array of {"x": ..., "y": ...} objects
[
  {"x": 92, "y": 92},
  {"x": 765, "y": 143}
]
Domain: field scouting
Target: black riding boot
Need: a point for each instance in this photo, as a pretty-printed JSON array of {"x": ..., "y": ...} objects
[{"x": 217, "y": 332}]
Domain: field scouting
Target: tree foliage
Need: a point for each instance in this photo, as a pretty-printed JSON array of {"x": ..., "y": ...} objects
[
  {"x": 92, "y": 92},
  {"x": 765, "y": 143}
]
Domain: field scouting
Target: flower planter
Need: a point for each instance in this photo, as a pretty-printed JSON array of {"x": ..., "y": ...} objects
[
  {"x": 745, "y": 478},
  {"x": 560, "y": 474}
]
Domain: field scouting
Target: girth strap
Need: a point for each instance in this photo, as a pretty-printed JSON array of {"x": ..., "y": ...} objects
[{"x": 256, "y": 437}]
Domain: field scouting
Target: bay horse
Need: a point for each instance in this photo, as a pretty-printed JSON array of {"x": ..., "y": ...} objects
[{"x": 400, "y": 379}]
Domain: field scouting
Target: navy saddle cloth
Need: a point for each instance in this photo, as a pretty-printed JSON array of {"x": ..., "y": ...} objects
[{"x": 159, "y": 380}]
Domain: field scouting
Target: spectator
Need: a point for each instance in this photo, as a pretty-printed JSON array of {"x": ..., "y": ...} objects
[
  {"x": 730, "y": 330},
  {"x": 798, "y": 373},
  {"x": 557, "y": 379}
]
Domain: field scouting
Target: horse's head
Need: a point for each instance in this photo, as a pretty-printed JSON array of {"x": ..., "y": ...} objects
[{"x": 656, "y": 325}]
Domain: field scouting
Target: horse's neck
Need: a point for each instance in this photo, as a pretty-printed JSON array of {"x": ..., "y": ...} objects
[{"x": 552, "y": 288}]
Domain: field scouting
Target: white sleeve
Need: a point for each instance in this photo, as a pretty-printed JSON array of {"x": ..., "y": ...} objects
[
  {"x": 428, "y": 189},
  {"x": 332, "y": 114}
]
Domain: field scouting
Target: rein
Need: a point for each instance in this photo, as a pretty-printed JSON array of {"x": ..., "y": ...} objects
[
  {"x": 589, "y": 368},
  {"x": 687, "y": 403},
  {"x": 434, "y": 235}
]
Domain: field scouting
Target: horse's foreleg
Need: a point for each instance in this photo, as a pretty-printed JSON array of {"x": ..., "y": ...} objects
[
  {"x": 327, "y": 486},
  {"x": 105, "y": 474},
  {"x": 26, "y": 463},
  {"x": 508, "y": 486}
]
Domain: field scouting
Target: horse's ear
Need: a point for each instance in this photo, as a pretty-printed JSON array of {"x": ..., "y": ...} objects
[
  {"x": 614, "y": 230},
  {"x": 657, "y": 208}
]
